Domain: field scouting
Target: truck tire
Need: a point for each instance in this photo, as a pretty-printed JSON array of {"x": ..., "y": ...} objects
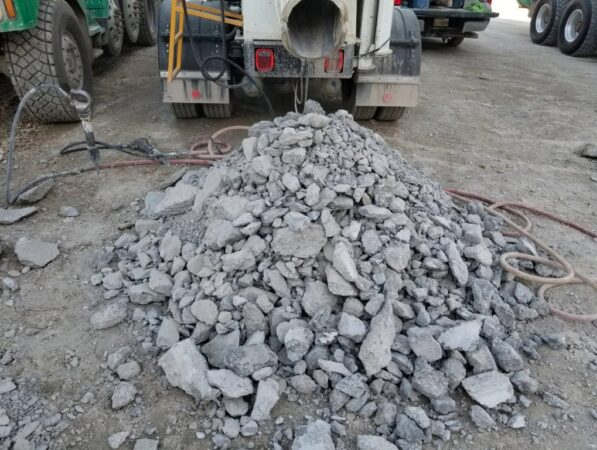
[
  {"x": 577, "y": 34},
  {"x": 148, "y": 26},
  {"x": 454, "y": 41},
  {"x": 389, "y": 112},
  {"x": 115, "y": 30},
  {"x": 56, "y": 52},
  {"x": 185, "y": 110},
  {"x": 364, "y": 112},
  {"x": 217, "y": 110},
  {"x": 544, "y": 21},
  {"x": 131, "y": 13}
]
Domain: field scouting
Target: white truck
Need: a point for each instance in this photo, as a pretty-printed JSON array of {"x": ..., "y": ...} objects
[{"x": 366, "y": 52}]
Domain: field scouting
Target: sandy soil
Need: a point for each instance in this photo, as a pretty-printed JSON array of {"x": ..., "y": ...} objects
[{"x": 498, "y": 115}]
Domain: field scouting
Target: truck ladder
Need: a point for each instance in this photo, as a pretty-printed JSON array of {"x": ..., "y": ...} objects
[{"x": 177, "y": 29}]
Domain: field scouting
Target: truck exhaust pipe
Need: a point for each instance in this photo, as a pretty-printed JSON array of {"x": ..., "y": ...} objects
[{"x": 313, "y": 29}]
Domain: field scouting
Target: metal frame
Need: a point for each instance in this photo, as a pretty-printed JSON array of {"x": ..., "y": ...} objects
[{"x": 177, "y": 29}]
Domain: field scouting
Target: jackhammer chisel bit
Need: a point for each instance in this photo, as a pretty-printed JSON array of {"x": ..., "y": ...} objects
[{"x": 81, "y": 100}]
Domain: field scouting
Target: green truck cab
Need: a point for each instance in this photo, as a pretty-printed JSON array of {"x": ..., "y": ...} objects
[
  {"x": 54, "y": 43},
  {"x": 27, "y": 13}
]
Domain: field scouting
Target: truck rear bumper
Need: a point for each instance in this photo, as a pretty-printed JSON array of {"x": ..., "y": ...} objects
[
  {"x": 384, "y": 90},
  {"x": 448, "y": 22},
  {"x": 190, "y": 87}
]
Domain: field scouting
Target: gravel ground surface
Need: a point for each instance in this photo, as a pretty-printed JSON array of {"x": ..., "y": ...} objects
[{"x": 499, "y": 116}]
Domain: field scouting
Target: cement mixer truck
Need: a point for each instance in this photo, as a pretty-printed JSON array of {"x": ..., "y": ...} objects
[{"x": 366, "y": 53}]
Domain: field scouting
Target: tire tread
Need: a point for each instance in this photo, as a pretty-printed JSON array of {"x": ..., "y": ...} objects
[
  {"x": 30, "y": 63},
  {"x": 217, "y": 110}
]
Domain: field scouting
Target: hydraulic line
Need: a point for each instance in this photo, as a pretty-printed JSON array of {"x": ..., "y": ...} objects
[
  {"x": 571, "y": 276},
  {"x": 203, "y": 64}
]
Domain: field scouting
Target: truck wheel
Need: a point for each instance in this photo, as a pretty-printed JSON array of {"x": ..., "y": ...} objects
[
  {"x": 56, "y": 52},
  {"x": 131, "y": 11},
  {"x": 578, "y": 28},
  {"x": 454, "y": 41},
  {"x": 387, "y": 113},
  {"x": 217, "y": 110},
  {"x": 545, "y": 20},
  {"x": 148, "y": 25},
  {"x": 364, "y": 112},
  {"x": 115, "y": 30},
  {"x": 185, "y": 110}
]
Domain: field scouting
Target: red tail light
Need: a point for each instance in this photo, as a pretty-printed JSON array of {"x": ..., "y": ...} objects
[
  {"x": 334, "y": 64},
  {"x": 264, "y": 60},
  {"x": 397, "y": 2}
]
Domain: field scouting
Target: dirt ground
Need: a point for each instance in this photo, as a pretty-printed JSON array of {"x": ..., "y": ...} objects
[{"x": 498, "y": 115}]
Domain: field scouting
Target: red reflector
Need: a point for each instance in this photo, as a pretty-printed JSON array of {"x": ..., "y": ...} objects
[
  {"x": 336, "y": 65},
  {"x": 397, "y": 2},
  {"x": 195, "y": 93},
  {"x": 264, "y": 59}
]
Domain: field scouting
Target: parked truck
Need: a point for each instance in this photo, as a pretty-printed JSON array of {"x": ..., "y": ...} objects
[
  {"x": 54, "y": 42},
  {"x": 365, "y": 52},
  {"x": 452, "y": 21}
]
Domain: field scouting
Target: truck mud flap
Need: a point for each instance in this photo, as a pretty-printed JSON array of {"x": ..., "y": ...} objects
[
  {"x": 189, "y": 86},
  {"x": 395, "y": 79}
]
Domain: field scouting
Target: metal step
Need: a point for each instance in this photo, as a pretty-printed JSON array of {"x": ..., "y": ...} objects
[{"x": 97, "y": 52}]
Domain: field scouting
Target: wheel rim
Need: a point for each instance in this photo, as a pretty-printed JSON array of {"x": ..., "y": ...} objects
[
  {"x": 543, "y": 18},
  {"x": 132, "y": 19},
  {"x": 573, "y": 25},
  {"x": 73, "y": 63}
]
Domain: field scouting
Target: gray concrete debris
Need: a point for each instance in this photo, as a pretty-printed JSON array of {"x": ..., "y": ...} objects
[
  {"x": 177, "y": 200},
  {"x": 124, "y": 394},
  {"x": 352, "y": 327},
  {"x": 318, "y": 263},
  {"x": 489, "y": 389},
  {"x": 457, "y": 265},
  {"x": 369, "y": 442},
  {"x": 375, "y": 352},
  {"x": 428, "y": 381},
  {"x": 268, "y": 394},
  {"x": 110, "y": 314},
  {"x": 168, "y": 334},
  {"x": 36, "y": 193},
  {"x": 316, "y": 297},
  {"x": 306, "y": 243},
  {"x": 463, "y": 336},
  {"x": 506, "y": 357},
  {"x": 186, "y": 368},
  {"x": 69, "y": 211},
  {"x": 480, "y": 417},
  {"x": 407, "y": 429},
  {"x": 231, "y": 385},
  {"x": 554, "y": 401},
  {"x": 315, "y": 436},
  {"x": 36, "y": 253},
  {"x": 423, "y": 344},
  {"x": 247, "y": 359},
  {"x": 146, "y": 444},
  {"x": 117, "y": 439},
  {"x": 13, "y": 215},
  {"x": 128, "y": 370}
]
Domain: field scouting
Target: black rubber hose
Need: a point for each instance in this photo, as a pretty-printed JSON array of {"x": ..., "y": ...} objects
[
  {"x": 13, "y": 134},
  {"x": 226, "y": 60}
]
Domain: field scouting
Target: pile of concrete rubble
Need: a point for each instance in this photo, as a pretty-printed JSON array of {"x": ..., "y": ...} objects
[{"x": 315, "y": 261}]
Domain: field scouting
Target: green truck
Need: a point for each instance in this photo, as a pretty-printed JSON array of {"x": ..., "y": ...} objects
[{"x": 54, "y": 42}]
